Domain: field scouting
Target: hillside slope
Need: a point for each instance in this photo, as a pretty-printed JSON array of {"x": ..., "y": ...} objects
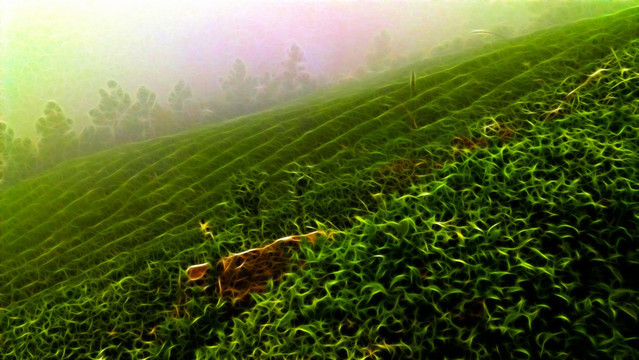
[{"x": 491, "y": 215}]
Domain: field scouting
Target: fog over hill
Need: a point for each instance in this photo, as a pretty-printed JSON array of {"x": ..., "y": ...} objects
[{"x": 66, "y": 50}]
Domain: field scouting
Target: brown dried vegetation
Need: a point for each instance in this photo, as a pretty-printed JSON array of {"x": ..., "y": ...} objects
[
  {"x": 249, "y": 271},
  {"x": 400, "y": 173},
  {"x": 464, "y": 143}
]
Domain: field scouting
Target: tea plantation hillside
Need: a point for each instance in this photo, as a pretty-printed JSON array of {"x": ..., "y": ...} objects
[{"x": 488, "y": 209}]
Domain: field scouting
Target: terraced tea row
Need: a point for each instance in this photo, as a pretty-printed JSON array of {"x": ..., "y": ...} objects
[{"x": 279, "y": 142}]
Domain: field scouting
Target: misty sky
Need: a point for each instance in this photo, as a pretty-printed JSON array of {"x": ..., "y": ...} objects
[{"x": 65, "y": 50}]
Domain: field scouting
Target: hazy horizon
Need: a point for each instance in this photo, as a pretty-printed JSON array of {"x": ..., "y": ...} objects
[{"x": 65, "y": 50}]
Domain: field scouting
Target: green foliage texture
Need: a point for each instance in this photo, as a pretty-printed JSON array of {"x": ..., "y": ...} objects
[{"x": 504, "y": 226}]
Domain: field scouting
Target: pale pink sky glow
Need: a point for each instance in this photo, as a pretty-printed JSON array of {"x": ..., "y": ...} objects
[{"x": 65, "y": 50}]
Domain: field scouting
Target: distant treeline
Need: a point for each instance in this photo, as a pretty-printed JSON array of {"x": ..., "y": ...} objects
[{"x": 120, "y": 117}]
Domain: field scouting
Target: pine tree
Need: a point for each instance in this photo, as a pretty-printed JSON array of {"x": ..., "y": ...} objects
[
  {"x": 267, "y": 91},
  {"x": 106, "y": 118},
  {"x": 21, "y": 160},
  {"x": 186, "y": 113},
  {"x": 180, "y": 94},
  {"x": 135, "y": 124},
  {"x": 295, "y": 81},
  {"x": 57, "y": 141},
  {"x": 6, "y": 137},
  {"x": 239, "y": 89}
]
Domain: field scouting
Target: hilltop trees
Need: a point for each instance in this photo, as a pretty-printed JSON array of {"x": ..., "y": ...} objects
[
  {"x": 185, "y": 113},
  {"x": 295, "y": 81},
  {"x": 21, "y": 159},
  {"x": 239, "y": 89},
  {"x": 181, "y": 92},
  {"x": 120, "y": 117},
  {"x": 135, "y": 124},
  {"x": 57, "y": 141},
  {"x": 244, "y": 93},
  {"x": 267, "y": 91},
  {"x": 6, "y": 136},
  {"x": 106, "y": 117},
  {"x": 112, "y": 106}
]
